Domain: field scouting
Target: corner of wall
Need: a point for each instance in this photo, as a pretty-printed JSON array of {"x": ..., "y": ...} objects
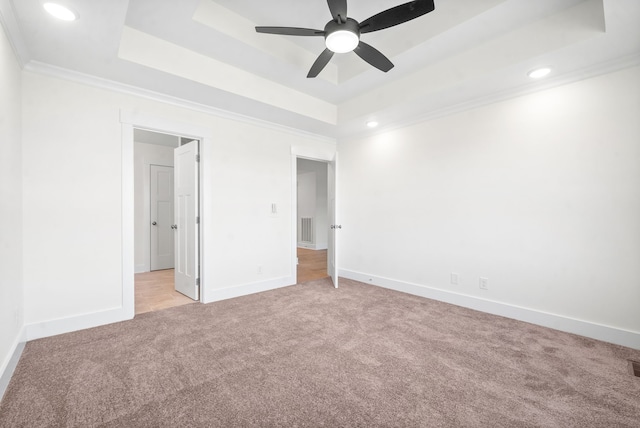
[
  {"x": 9, "y": 366},
  {"x": 75, "y": 323}
]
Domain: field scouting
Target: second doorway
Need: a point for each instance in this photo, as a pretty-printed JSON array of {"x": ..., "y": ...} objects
[{"x": 312, "y": 220}]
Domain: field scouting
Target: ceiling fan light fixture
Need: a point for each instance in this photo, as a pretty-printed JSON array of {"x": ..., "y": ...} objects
[
  {"x": 342, "y": 41},
  {"x": 59, "y": 11},
  {"x": 342, "y": 37},
  {"x": 539, "y": 73}
]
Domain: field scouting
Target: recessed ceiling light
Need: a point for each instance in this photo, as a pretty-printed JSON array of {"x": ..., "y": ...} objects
[
  {"x": 372, "y": 124},
  {"x": 60, "y": 12},
  {"x": 539, "y": 72}
]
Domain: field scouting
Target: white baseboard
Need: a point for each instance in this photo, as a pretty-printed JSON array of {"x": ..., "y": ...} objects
[
  {"x": 81, "y": 322},
  {"x": 10, "y": 364},
  {"x": 246, "y": 289},
  {"x": 583, "y": 328},
  {"x": 141, "y": 269},
  {"x": 75, "y": 323}
]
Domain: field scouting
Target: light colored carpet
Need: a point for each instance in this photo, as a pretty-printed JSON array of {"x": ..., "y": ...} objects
[{"x": 311, "y": 355}]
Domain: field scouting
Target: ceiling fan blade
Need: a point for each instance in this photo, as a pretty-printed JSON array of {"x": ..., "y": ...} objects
[
  {"x": 397, "y": 15},
  {"x": 320, "y": 63},
  {"x": 338, "y": 10},
  {"x": 290, "y": 31},
  {"x": 373, "y": 56}
]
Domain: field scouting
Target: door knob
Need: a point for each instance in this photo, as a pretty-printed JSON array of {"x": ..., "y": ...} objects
[
  {"x": 154, "y": 223},
  {"x": 174, "y": 226}
]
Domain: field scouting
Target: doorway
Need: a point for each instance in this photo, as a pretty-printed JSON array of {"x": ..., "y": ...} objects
[
  {"x": 312, "y": 219},
  {"x": 156, "y": 220}
]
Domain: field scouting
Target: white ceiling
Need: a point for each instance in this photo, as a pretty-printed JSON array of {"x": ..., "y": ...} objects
[{"x": 206, "y": 52}]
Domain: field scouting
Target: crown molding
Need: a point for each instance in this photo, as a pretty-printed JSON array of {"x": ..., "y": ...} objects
[
  {"x": 594, "y": 70},
  {"x": 111, "y": 85},
  {"x": 14, "y": 32}
]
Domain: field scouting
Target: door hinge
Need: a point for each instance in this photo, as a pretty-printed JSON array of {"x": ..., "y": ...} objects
[
  {"x": 198, "y": 220},
  {"x": 197, "y": 158},
  {"x": 198, "y": 282}
]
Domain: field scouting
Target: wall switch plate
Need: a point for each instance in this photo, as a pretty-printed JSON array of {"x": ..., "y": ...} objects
[
  {"x": 455, "y": 279},
  {"x": 259, "y": 270},
  {"x": 484, "y": 283}
]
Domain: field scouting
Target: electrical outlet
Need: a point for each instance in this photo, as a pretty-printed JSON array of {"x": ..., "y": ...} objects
[
  {"x": 259, "y": 270},
  {"x": 484, "y": 283},
  {"x": 455, "y": 279}
]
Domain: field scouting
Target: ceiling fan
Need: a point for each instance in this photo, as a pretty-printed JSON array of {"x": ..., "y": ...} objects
[{"x": 342, "y": 34}]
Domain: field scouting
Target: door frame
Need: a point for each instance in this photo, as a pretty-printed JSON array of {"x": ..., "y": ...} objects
[
  {"x": 302, "y": 153},
  {"x": 129, "y": 120}
]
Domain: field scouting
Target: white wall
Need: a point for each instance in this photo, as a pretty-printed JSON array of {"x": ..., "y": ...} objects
[
  {"x": 251, "y": 170},
  {"x": 73, "y": 261},
  {"x": 11, "y": 283},
  {"x": 539, "y": 194},
  {"x": 145, "y": 155},
  {"x": 72, "y": 200}
]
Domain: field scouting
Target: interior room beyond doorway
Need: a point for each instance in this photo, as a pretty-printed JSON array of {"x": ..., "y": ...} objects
[
  {"x": 154, "y": 223},
  {"x": 312, "y": 219}
]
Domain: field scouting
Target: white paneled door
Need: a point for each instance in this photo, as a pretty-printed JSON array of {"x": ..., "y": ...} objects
[
  {"x": 161, "y": 231},
  {"x": 186, "y": 225},
  {"x": 334, "y": 228}
]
